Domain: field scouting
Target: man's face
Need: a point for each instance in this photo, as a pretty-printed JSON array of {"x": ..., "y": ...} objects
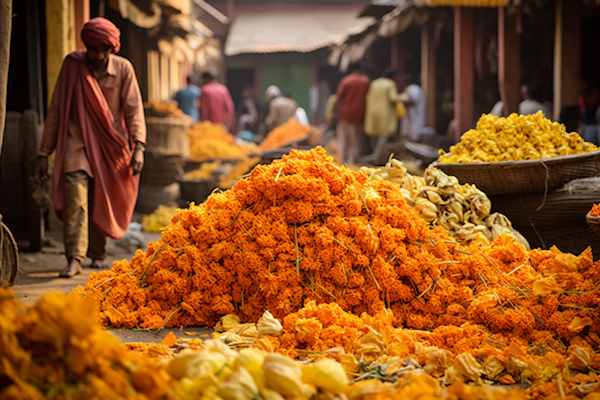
[{"x": 98, "y": 55}]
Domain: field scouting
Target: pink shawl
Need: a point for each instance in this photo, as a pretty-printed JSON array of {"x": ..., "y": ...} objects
[{"x": 108, "y": 152}]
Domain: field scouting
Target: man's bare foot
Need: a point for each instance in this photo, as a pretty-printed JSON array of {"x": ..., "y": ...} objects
[
  {"x": 74, "y": 268},
  {"x": 100, "y": 264}
]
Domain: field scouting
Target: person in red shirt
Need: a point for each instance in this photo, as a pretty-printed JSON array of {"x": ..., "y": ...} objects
[
  {"x": 351, "y": 94},
  {"x": 216, "y": 104}
]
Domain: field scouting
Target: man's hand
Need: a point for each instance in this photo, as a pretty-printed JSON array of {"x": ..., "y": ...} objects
[
  {"x": 41, "y": 169},
  {"x": 137, "y": 160}
]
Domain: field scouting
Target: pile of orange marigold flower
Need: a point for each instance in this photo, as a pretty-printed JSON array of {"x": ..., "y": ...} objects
[
  {"x": 304, "y": 228},
  {"x": 285, "y": 134},
  {"x": 595, "y": 211}
]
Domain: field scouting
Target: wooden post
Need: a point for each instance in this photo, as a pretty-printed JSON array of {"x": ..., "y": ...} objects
[
  {"x": 82, "y": 15},
  {"x": 5, "y": 30},
  {"x": 428, "y": 71},
  {"x": 567, "y": 55},
  {"x": 174, "y": 78},
  {"x": 153, "y": 76},
  {"x": 463, "y": 70},
  {"x": 164, "y": 77},
  {"x": 34, "y": 60},
  {"x": 509, "y": 62},
  {"x": 60, "y": 39}
]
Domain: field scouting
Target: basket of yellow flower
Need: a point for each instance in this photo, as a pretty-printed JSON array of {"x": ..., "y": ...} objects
[{"x": 520, "y": 154}]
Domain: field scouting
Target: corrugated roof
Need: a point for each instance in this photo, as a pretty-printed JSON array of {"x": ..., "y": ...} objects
[{"x": 299, "y": 31}]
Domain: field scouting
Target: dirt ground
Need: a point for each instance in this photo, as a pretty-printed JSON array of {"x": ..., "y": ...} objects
[{"x": 39, "y": 272}]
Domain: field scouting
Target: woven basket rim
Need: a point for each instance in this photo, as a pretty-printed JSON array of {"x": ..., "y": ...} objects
[{"x": 517, "y": 164}]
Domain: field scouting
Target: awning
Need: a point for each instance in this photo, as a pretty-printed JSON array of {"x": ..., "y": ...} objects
[
  {"x": 464, "y": 3},
  {"x": 284, "y": 31}
]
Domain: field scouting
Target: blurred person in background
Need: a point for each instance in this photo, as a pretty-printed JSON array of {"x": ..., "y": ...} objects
[
  {"x": 351, "y": 97},
  {"x": 300, "y": 114},
  {"x": 532, "y": 100},
  {"x": 96, "y": 125},
  {"x": 414, "y": 101},
  {"x": 281, "y": 108},
  {"x": 381, "y": 118},
  {"x": 498, "y": 109},
  {"x": 187, "y": 99},
  {"x": 216, "y": 104},
  {"x": 248, "y": 110},
  {"x": 331, "y": 114}
]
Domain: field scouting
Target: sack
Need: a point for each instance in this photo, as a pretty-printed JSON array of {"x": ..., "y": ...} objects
[{"x": 400, "y": 110}]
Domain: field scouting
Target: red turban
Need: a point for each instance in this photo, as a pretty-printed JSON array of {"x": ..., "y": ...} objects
[{"x": 99, "y": 31}]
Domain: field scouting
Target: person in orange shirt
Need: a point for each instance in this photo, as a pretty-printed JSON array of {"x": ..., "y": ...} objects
[
  {"x": 96, "y": 125},
  {"x": 351, "y": 94}
]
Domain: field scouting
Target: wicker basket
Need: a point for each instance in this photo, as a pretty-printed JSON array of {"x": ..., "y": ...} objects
[
  {"x": 530, "y": 176},
  {"x": 571, "y": 237},
  {"x": 168, "y": 135},
  {"x": 567, "y": 204},
  {"x": 161, "y": 170},
  {"x": 556, "y": 218}
]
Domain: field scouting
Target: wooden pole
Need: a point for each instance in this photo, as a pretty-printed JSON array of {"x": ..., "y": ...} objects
[
  {"x": 567, "y": 55},
  {"x": 60, "y": 39},
  {"x": 153, "y": 76},
  {"x": 463, "y": 70},
  {"x": 509, "y": 61},
  {"x": 34, "y": 60},
  {"x": 82, "y": 15},
  {"x": 428, "y": 71},
  {"x": 5, "y": 30}
]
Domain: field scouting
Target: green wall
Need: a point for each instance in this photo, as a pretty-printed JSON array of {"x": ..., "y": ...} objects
[
  {"x": 292, "y": 71},
  {"x": 288, "y": 71}
]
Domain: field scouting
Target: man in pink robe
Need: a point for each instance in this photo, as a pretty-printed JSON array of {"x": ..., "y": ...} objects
[
  {"x": 216, "y": 104},
  {"x": 96, "y": 125}
]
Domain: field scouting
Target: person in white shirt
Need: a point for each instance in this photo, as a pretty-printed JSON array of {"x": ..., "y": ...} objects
[
  {"x": 414, "y": 101},
  {"x": 498, "y": 109},
  {"x": 532, "y": 94}
]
